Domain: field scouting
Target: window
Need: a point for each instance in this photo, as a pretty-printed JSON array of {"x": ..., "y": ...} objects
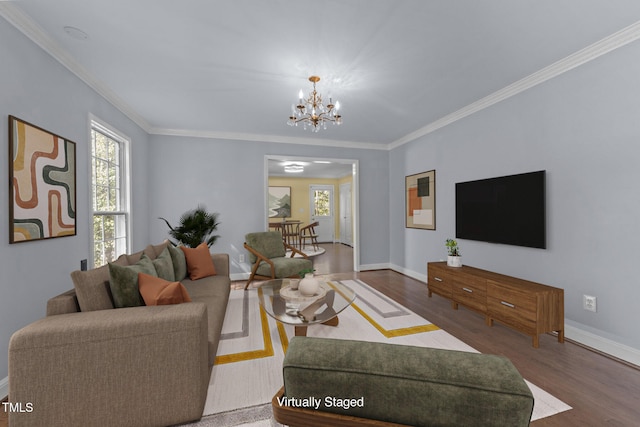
[
  {"x": 321, "y": 203},
  {"x": 110, "y": 195}
]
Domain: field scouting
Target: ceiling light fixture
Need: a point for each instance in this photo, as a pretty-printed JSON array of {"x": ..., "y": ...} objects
[
  {"x": 294, "y": 168},
  {"x": 312, "y": 112}
]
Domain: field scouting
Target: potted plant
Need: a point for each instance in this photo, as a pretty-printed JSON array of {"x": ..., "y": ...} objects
[
  {"x": 196, "y": 226},
  {"x": 453, "y": 259}
]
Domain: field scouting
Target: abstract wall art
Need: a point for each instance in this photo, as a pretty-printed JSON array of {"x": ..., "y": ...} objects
[
  {"x": 421, "y": 200},
  {"x": 42, "y": 176}
]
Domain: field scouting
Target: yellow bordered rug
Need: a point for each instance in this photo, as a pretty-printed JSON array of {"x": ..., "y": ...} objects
[{"x": 248, "y": 368}]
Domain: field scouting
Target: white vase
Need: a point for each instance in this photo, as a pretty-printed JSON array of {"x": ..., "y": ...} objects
[
  {"x": 309, "y": 285},
  {"x": 454, "y": 261}
]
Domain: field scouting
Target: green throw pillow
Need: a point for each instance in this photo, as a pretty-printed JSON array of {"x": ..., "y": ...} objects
[
  {"x": 123, "y": 281},
  {"x": 179, "y": 262},
  {"x": 164, "y": 266}
]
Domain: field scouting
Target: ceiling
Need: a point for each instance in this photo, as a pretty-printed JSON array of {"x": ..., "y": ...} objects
[{"x": 400, "y": 68}]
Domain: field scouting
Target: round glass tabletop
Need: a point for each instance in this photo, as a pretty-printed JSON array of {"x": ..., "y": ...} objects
[{"x": 281, "y": 300}]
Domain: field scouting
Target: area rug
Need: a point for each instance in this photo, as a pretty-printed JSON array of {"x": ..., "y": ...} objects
[
  {"x": 308, "y": 251},
  {"x": 248, "y": 368}
]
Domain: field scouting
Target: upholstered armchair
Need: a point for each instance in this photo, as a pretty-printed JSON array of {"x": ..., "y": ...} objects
[{"x": 267, "y": 253}]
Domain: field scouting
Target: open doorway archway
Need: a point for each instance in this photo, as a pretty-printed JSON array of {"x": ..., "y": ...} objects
[{"x": 321, "y": 167}]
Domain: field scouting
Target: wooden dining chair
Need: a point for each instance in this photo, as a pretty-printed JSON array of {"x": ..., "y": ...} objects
[{"x": 308, "y": 232}]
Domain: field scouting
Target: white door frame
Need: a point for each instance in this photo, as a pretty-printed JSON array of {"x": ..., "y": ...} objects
[
  {"x": 355, "y": 196},
  {"x": 341, "y": 219}
]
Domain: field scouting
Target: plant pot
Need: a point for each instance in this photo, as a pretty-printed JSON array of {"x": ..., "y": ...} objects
[
  {"x": 309, "y": 285},
  {"x": 454, "y": 261}
]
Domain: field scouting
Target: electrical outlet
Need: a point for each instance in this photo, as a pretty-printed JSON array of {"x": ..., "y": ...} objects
[
  {"x": 589, "y": 303},
  {"x": 241, "y": 258}
]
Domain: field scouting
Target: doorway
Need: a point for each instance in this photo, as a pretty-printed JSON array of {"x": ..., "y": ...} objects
[
  {"x": 321, "y": 210},
  {"x": 273, "y": 168}
]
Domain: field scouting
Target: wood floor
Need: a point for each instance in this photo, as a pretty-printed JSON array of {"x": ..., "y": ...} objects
[{"x": 602, "y": 391}]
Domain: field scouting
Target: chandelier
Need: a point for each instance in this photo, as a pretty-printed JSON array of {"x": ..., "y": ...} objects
[{"x": 312, "y": 112}]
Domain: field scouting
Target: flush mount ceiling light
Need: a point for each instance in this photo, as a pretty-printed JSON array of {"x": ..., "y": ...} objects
[
  {"x": 294, "y": 167},
  {"x": 312, "y": 112}
]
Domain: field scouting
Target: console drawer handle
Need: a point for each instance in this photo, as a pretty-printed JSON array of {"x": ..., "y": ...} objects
[
  {"x": 468, "y": 290},
  {"x": 507, "y": 304},
  {"x": 437, "y": 279}
]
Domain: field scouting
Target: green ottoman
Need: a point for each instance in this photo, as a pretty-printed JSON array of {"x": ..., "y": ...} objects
[{"x": 400, "y": 384}]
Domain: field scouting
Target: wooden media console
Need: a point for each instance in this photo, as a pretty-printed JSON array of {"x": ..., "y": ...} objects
[{"x": 529, "y": 307}]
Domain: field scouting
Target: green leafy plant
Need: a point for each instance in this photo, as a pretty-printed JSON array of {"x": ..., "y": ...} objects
[
  {"x": 196, "y": 226},
  {"x": 452, "y": 247},
  {"x": 305, "y": 271}
]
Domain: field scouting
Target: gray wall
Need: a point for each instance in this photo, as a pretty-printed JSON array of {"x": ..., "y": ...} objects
[
  {"x": 36, "y": 88},
  {"x": 228, "y": 178},
  {"x": 583, "y": 128}
]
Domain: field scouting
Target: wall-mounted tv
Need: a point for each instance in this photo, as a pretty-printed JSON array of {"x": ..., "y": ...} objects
[{"x": 507, "y": 209}]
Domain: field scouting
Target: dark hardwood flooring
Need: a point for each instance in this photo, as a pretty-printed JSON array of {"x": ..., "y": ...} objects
[{"x": 601, "y": 390}]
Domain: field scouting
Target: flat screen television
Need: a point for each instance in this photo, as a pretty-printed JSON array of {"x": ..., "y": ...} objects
[{"x": 507, "y": 209}]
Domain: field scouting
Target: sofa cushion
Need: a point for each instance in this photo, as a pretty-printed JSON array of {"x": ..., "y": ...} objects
[
  {"x": 123, "y": 282},
  {"x": 154, "y": 251},
  {"x": 214, "y": 292},
  {"x": 164, "y": 265},
  {"x": 268, "y": 243},
  {"x": 285, "y": 267},
  {"x": 179, "y": 262},
  {"x": 157, "y": 291},
  {"x": 92, "y": 287},
  {"x": 199, "y": 262}
]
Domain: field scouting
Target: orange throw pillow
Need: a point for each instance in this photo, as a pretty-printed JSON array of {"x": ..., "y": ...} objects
[
  {"x": 157, "y": 291},
  {"x": 199, "y": 262}
]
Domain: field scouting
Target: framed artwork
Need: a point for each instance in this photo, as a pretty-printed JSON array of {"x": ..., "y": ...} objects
[
  {"x": 279, "y": 202},
  {"x": 420, "y": 190},
  {"x": 42, "y": 177}
]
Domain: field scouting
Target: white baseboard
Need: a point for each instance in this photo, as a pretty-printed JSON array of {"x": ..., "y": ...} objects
[
  {"x": 239, "y": 276},
  {"x": 4, "y": 388},
  {"x": 605, "y": 345},
  {"x": 414, "y": 275},
  {"x": 381, "y": 266}
]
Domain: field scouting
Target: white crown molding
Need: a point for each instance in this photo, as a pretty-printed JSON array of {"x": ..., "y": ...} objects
[
  {"x": 238, "y": 136},
  {"x": 32, "y": 30},
  {"x": 589, "y": 53},
  {"x": 35, "y": 33}
]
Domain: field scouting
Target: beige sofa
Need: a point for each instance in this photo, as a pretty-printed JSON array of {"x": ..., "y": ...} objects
[{"x": 135, "y": 366}]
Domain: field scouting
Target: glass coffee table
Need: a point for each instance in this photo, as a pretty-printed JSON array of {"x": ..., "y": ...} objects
[{"x": 283, "y": 302}]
